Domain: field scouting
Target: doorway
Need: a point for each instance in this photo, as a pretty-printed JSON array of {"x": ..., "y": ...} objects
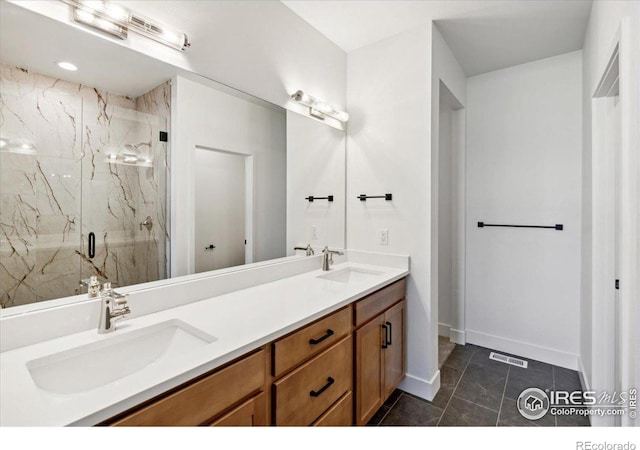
[
  {"x": 222, "y": 209},
  {"x": 450, "y": 163},
  {"x": 607, "y": 218}
]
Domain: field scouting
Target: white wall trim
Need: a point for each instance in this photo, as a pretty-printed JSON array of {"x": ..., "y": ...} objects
[
  {"x": 584, "y": 381},
  {"x": 526, "y": 350},
  {"x": 458, "y": 336},
  {"x": 444, "y": 329},
  {"x": 426, "y": 389}
]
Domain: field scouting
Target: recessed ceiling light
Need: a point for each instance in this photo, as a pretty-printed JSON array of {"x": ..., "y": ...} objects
[{"x": 67, "y": 66}]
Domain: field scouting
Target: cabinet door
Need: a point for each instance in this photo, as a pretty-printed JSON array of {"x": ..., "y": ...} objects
[
  {"x": 394, "y": 353},
  {"x": 251, "y": 413},
  {"x": 369, "y": 369}
]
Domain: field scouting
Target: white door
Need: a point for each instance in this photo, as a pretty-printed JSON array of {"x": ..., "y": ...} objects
[{"x": 219, "y": 210}]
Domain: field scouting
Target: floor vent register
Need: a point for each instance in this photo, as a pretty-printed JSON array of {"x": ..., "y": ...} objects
[{"x": 508, "y": 360}]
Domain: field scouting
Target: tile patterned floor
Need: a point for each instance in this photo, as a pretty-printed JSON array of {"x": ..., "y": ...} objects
[{"x": 477, "y": 391}]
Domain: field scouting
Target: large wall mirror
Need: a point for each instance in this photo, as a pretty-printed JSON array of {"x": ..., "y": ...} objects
[{"x": 133, "y": 170}]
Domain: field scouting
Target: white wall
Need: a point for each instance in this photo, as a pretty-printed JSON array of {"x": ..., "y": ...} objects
[
  {"x": 259, "y": 47},
  {"x": 604, "y": 22},
  {"x": 523, "y": 167},
  {"x": 389, "y": 151},
  {"x": 206, "y": 117},
  {"x": 317, "y": 166}
]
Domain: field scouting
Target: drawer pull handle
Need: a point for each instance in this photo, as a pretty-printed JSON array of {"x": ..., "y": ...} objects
[
  {"x": 386, "y": 338},
  {"x": 320, "y": 339},
  {"x": 390, "y": 333},
  {"x": 330, "y": 381}
]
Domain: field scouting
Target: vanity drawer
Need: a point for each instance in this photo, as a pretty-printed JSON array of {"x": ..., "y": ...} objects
[
  {"x": 339, "y": 415},
  {"x": 310, "y": 340},
  {"x": 307, "y": 392},
  {"x": 251, "y": 413},
  {"x": 372, "y": 305},
  {"x": 198, "y": 402}
]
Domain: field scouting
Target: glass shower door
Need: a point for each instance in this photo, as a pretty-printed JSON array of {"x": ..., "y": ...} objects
[{"x": 123, "y": 193}]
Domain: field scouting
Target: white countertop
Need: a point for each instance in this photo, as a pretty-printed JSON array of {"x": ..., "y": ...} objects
[{"x": 241, "y": 321}]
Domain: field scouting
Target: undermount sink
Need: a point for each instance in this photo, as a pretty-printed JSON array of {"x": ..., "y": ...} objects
[
  {"x": 93, "y": 365},
  {"x": 350, "y": 274}
]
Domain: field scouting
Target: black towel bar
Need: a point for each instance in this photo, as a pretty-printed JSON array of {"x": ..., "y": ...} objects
[
  {"x": 364, "y": 197},
  {"x": 312, "y": 198},
  {"x": 557, "y": 226}
]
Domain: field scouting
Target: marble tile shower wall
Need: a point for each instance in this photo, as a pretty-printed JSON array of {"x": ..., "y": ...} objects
[{"x": 63, "y": 174}]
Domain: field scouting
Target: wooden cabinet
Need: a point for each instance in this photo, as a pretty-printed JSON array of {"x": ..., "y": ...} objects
[
  {"x": 202, "y": 400},
  {"x": 369, "y": 369},
  {"x": 394, "y": 351},
  {"x": 313, "y": 371},
  {"x": 302, "y": 344},
  {"x": 379, "y": 349},
  {"x": 338, "y": 415},
  {"x": 251, "y": 413}
]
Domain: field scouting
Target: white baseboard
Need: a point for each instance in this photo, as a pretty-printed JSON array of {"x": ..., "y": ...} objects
[
  {"x": 443, "y": 329},
  {"x": 457, "y": 336},
  {"x": 584, "y": 381},
  {"x": 454, "y": 335},
  {"x": 426, "y": 389},
  {"x": 539, "y": 353}
]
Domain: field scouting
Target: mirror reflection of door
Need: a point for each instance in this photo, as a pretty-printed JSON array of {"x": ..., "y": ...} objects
[{"x": 219, "y": 210}]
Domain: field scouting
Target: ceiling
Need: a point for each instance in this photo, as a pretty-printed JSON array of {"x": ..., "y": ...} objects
[
  {"x": 100, "y": 63},
  {"x": 483, "y": 35}
]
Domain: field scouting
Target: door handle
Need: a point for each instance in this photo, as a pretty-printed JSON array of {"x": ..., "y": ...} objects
[
  {"x": 384, "y": 344},
  {"x": 92, "y": 245},
  {"x": 390, "y": 333},
  {"x": 210, "y": 247}
]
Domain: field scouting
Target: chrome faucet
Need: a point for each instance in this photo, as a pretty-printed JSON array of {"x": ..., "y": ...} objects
[
  {"x": 112, "y": 307},
  {"x": 308, "y": 249},
  {"x": 93, "y": 286},
  {"x": 328, "y": 257}
]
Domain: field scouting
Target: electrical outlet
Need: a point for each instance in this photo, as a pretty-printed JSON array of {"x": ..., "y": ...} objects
[
  {"x": 383, "y": 236},
  {"x": 315, "y": 232}
]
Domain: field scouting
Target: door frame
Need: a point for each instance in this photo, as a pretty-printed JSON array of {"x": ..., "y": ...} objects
[
  {"x": 457, "y": 327},
  {"x": 605, "y": 369}
]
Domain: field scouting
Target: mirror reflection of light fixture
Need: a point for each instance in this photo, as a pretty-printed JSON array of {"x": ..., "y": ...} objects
[
  {"x": 128, "y": 154},
  {"x": 95, "y": 20},
  {"x": 67, "y": 66},
  {"x": 17, "y": 146},
  {"x": 320, "y": 109},
  {"x": 117, "y": 21}
]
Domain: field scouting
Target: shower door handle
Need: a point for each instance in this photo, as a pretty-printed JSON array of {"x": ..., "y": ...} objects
[{"x": 92, "y": 245}]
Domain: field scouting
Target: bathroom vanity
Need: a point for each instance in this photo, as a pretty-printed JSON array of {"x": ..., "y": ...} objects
[{"x": 293, "y": 347}]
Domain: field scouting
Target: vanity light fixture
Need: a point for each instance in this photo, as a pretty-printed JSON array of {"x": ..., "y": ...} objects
[
  {"x": 87, "y": 14},
  {"x": 117, "y": 21},
  {"x": 320, "y": 109}
]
